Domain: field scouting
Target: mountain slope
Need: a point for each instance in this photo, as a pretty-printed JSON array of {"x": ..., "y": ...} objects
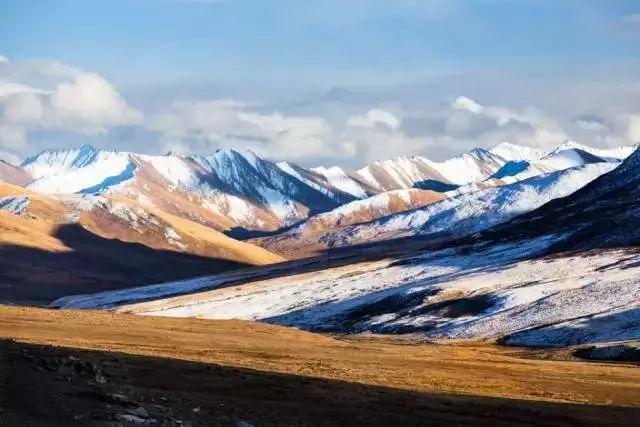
[
  {"x": 13, "y": 174},
  {"x": 504, "y": 291},
  {"x": 54, "y": 246},
  {"x": 557, "y": 160},
  {"x": 515, "y": 282},
  {"x": 602, "y": 214},
  {"x": 228, "y": 189},
  {"x": 310, "y": 235},
  {"x": 457, "y": 215},
  {"x": 405, "y": 172}
]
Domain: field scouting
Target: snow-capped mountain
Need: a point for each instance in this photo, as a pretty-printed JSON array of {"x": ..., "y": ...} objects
[
  {"x": 311, "y": 235},
  {"x": 616, "y": 153},
  {"x": 404, "y": 172},
  {"x": 228, "y": 189},
  {"x": 515, "y": 282},
  {"x": 54, "y": 245},
  {"x": 237, "y": 189},
  {"x": 513, "y": 152},
  {"x": 84, "y": 170},
  {"x": 348, "y": 182},
  {"x": 557, "y": 160},
  {"x": 457, "y": 215},
  {"x": 602, "y": 214}
]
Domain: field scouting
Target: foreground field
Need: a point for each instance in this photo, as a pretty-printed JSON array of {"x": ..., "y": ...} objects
[{"x": 222, "y": 372}]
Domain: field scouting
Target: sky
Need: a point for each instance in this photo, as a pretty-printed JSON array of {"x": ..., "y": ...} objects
[{"x": 327, "y": 82}]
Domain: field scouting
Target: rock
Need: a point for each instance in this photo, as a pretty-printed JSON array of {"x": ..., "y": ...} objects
[
  {"x": 139, "y": 412},
  {"x": 196, "y": 410},
  {"x": 121, "y": 398},
  {"x": 128, "y": 418},
  {"x": 100, "y": 379},
  {"x": 65, "y": 371}
]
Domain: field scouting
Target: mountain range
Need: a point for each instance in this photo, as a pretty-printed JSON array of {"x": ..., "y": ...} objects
[
  {"x": 114, "y": 219},
  {"x": 238, "y": 189},
  {"x": 563, "y": 274},
  {"x": 513, "y": 244}
]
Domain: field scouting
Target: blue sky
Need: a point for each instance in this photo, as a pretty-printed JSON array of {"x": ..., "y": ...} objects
[{"x": 285, "y": 60}]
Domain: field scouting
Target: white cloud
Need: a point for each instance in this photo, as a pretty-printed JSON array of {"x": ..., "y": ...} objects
[
  {"x": 78, "y": 101},
  {"x": 592, "y": 125},
  {"x": 89, "y": 103},
  {"x": 362, "y": 137},
  {"x": 374, "y": 118},
  {"x": 299, "y": 136},
  {"x": 23, "y": 108},
  {"x": 206, "y": 125},
  {"x": 13, "y": 138},
  {"x": 44, "y": 96},
  {"x": 464, "y": 103}
]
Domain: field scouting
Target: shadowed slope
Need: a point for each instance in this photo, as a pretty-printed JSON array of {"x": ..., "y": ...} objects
[
  {"x": 39, "y": 268},
  {"x": 50, "y": 248},
  {"x": 210, "y": 394}
]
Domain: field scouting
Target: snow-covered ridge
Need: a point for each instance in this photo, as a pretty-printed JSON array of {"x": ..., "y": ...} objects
[
  {"x": 471, "y": 212},
  {"x": 493, "y": 292},
  {"x": 236, "y": 188},
  {"x": 513, "y": 152},
  {"x": 75, "y": 171}
]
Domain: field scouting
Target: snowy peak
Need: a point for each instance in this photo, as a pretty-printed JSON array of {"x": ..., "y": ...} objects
[
  {"x": 238, "y": 188},
  {"x": 82, "y": 170},
  {"x": 477, "y": 165},
  {"x": 569, "y": 145},
  {"x": 400, "y": 173},
  {"x": 513, "y": 152},
  {"x": 51, "y": 162},
  {"x": 609, "y": 154}
]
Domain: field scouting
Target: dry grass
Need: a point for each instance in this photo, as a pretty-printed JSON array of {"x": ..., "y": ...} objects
[{"x": 470, "y": 368}]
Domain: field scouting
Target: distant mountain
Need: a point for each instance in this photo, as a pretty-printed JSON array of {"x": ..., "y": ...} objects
[
  {"x": 459, "y": 214},
  {"x": 228, "y": 189},
  {"x": 405, "y": 172},
  {"x": 513, "y": 152},
  {"x": 238, "y": 192},
  {"x": 557, "y": 160},
  {"x": 348, "y": 182}
]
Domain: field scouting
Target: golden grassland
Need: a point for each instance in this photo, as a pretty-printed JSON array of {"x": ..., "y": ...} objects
[{"x": 465, "y": 368}]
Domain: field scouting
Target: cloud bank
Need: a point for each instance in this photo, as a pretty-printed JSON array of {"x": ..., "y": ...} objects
[{"x": 39, "y": 98}]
